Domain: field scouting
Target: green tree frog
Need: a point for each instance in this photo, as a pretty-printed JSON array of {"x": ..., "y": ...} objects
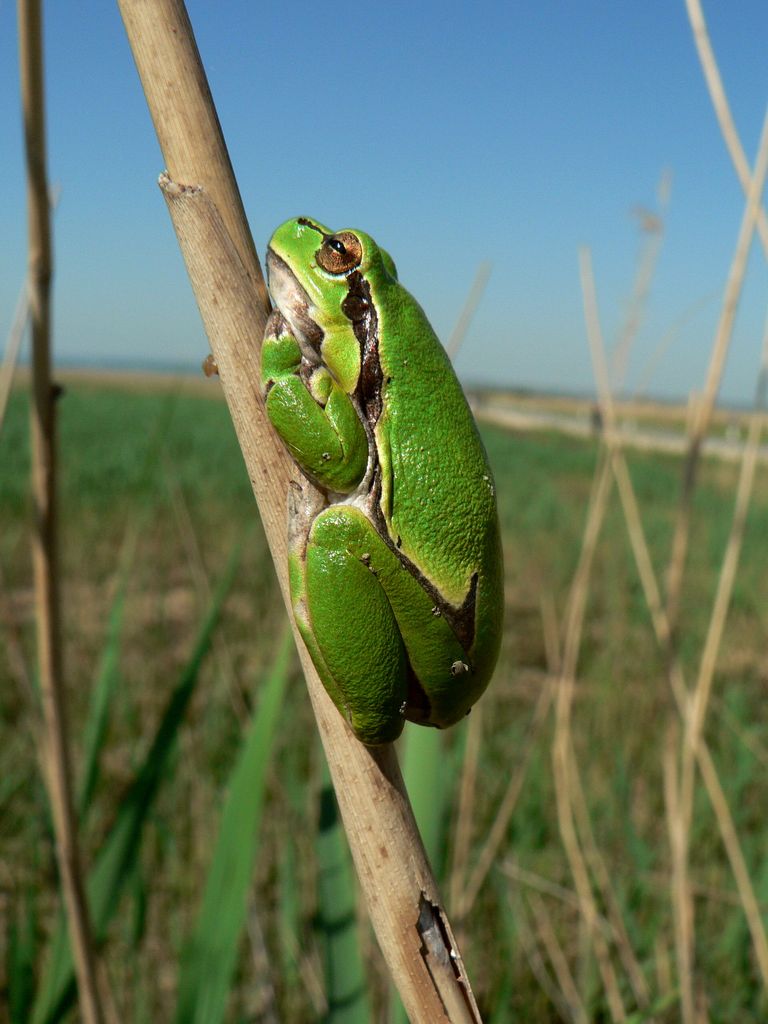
[{"x": 396, "y": 571}]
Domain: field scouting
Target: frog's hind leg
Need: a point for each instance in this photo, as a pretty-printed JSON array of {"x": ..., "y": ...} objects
[{"x": 349, "y": 627}]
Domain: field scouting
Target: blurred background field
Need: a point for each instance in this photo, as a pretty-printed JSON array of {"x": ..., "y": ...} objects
[{"x": 155, "y": 505}]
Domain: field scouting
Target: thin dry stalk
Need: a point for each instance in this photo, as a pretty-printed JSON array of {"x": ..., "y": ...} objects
[
  {"x": 722, "y": 107},
  {"x": 662, "y": 962},
  {"x": 559, "y": 892},
  {"x": 205, "y": 206},
  {"x": 621, "y": 473},
  {"x": 538, "y": 966},
  {"x": 15, "y": 338},
  {"x": 17, "y": 662},
  {"x": 679, "y": 691},
  {"x": 595, "y": 860},
  {"x": 665, "y": 343},
  {"x": 191, "y": 544},
  {"x": 562, "y": 754},
  {"x": 663, "y": 634},
  {"x": 506, "y": 808},
  {"x": 459, "y": 332},
  {"x": 465, "y": 813},
  {"x": 602, "y": 877},
  {"x": 557, "y": 958},
  {"x": 12, "y": 348},
  {"x": 749, "y": 902},
  {"x": 652, "y": 225},
  {"x": 703, "y": 688},
  {"x": 44, "y": 543},
  {"x": 706, "y": 405},
  {"x": 680, "y": 887},
  {"x": 551, "y": 633}
]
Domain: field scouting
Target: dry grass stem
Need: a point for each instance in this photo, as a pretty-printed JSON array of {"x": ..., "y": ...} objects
[
  {"x": 679, "y": 690},
  {"x": 202, "y": 197},
  {"x": 223, "y": 655},
  {"x": 703, "y": 687},
  {"x": 465, "y": 813},
  {"x": 17, "y": 661},
  {"x": 680, "y": 890},
  {"x": 14, "y": 341},
  {"x": 722, "y": 107},
  {"x": 550, "y": 629},
  {"x": 666, "y": 341},
  {"x": 459, "y": 332},
  {"x": 652, "y": 224},
  {"x": 564, "y": 762},
  {"x": 563, "y": 759},
  {"x": 705, "y": 406},
  {"x": 58, "y": 776},
  {"x": 12, "y": 349},
  {"x": 506, "y": 807},
  {"x": 602, "y": 877},
  {"x": 747, "y": 897},
  {"x": 683, "y": 897},
  {"x": 537, "y": 965},
  {"x": 558, "y": 959}
]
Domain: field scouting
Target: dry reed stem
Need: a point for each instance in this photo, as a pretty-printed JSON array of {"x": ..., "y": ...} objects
[
  {"x": 557, "y": 891},
  {"x": 722, "y": 107},
  {"x": 465, "y": 813},
  {"x": 467, "y": 896},
  {"x": 653, "y": 226},
  {"x": 562, "y": 754},
  {"x": 12, "y": 348},
  {"x": 459, "y": 332},
  {"x": 602, "y": 877},
  {"x": 550, "y": 629},
  {"x": 757, "y": 749},
  {"x": 225, "y": 667},
  {"x": 730, "y": 837},
  {"x": 58, "y": 776},
  {"x": 705, "y": 406},
  {"x": 664, "y": 344},
  {"x": 679, "y": 886},
  {"x": 594, "y": 859},
  {"x": 702, "y": 690},
  {"x": 202, "y": 197},
  {"x": 558, "y": 959},
  {"x": 14, "y": 340},
  {"x": 679, "y": 691},
  {"x": 663, "y": 633},
  {"x": 537, "y": 965},
  {"x": 17, "y": 661}
]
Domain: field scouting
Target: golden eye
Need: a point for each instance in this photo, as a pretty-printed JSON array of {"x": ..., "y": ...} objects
[{"x": 340, "y": 253}]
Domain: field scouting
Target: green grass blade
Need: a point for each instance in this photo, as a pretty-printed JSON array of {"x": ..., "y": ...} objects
[
  {"x": 428, "y": 783},
  {"x": 117, "y": 858},
  {"x": 210, "y": 956},
  {"x": 345, "y": 982},
  {"x": 428, "y": 777},
  {"x": 21, "y": 953},
  {"x": 101, "y": 701}
]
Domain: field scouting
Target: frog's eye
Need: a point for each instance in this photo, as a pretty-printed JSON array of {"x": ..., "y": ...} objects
[{"x": 340, "y": 253}]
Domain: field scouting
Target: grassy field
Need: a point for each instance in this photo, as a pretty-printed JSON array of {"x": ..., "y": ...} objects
[{"x": 155, "y": 504}]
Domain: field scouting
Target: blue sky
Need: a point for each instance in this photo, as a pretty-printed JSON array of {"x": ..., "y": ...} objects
[{"x": 453, "y": 133}]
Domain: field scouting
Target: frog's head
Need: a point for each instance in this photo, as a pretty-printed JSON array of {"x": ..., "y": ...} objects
[{"x": 322, "y": 282}]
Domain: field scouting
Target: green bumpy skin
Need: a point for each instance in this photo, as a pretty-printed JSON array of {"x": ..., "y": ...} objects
[{"x": 397, "y": 579}]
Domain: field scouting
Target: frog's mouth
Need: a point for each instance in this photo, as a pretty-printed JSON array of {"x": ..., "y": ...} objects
[{"x": 294, "y": 303}]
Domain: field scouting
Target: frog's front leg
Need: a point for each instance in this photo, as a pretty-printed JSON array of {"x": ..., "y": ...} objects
[
  {"x": 371, "y": 628},
  {"x": 313, "y": 415}
]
